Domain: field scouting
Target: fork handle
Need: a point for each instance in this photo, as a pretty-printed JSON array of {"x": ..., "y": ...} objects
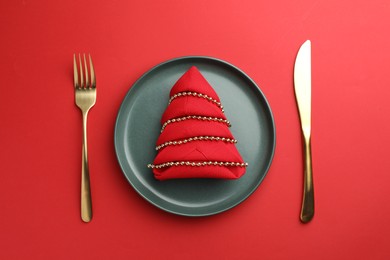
[
  {"x": 307, "y": 211},
  {"x": 86, "y": 201}
]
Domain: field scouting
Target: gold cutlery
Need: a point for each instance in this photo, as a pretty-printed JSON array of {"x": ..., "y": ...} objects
[
  {"x": 302, "y": 84},
  {"x": 85, "y": 98}
]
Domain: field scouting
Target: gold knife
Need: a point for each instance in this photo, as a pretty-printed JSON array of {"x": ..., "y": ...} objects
[{"x": 302, "y": 84}]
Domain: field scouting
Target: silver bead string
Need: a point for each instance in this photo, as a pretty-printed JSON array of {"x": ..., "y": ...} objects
[
  {"x": 197, "y": 94},
  {"x": 203, "y": 118},
  {"x": 197, "y": 164},
  {"x": 196, "y": 138}
]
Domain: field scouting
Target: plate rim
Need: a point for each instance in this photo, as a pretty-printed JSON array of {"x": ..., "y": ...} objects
[{"x": 269, "y": 113}]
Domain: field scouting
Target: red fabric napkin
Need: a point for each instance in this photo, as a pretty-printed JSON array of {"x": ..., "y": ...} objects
[{"x": 195, "y": 140}]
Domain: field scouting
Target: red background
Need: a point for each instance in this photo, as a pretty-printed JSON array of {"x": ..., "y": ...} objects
[{"x": 40, "y": 133}]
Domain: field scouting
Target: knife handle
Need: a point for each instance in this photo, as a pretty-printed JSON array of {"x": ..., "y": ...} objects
[{"x": 307, "y": 211}]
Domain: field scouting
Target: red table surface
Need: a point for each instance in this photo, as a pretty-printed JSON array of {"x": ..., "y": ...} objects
[{"x": 40, "y": 133}]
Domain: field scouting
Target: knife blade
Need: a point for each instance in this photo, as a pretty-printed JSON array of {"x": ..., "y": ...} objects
[{"x": 302, "y": 87}]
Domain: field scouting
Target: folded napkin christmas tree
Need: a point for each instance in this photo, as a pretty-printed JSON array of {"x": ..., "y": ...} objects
[{"x": 195, "y": 140}]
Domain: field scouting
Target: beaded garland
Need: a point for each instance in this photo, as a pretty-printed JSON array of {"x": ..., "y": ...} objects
[
  {"x": 197, "y": 138},
  {"x": 196, "y": 94},
  {"x": 198, "y": 164},
  {"x": 203, "y": 118}
]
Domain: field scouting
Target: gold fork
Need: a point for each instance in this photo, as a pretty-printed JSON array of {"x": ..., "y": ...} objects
[{"x": 85, "y": 97}]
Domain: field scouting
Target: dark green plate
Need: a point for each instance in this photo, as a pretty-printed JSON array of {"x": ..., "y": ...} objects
[{"x": 138, "y": 127}]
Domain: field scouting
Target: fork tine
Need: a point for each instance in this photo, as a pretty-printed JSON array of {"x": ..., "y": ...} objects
[
  {"x": 93, "y": 79},
  {"x": 75, "y": 74},
  {"x": 86, "y": 73},
  {"x": 81, "y": 73}
]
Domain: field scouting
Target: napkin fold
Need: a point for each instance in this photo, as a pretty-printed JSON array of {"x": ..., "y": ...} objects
[{"x": 195, "y": 140}]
